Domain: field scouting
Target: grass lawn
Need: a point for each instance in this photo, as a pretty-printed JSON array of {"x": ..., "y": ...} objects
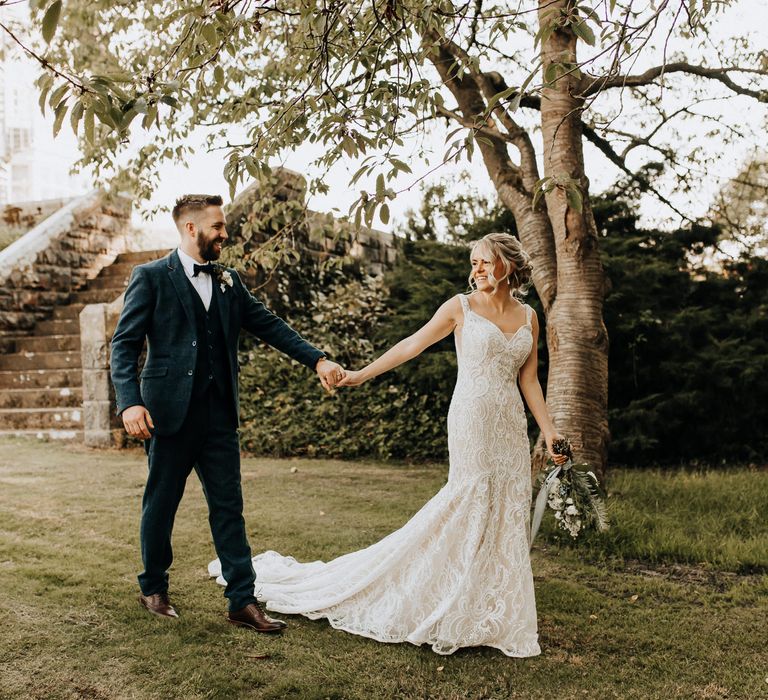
[{"x": 672, "y": 603}]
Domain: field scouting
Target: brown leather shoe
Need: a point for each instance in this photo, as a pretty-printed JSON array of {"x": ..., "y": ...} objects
[
  {"x": 253, "y": 617},
  {"x": 158, "y": 604}
]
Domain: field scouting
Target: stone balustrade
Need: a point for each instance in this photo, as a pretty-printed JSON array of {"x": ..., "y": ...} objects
[
  {"x": 101, "y": 427},
  {"x": 44, "y": 267}
]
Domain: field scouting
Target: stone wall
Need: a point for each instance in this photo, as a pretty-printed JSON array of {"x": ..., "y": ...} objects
[
  {"x": 323, "y": 235},
  {"x": 46, "y": 265}
]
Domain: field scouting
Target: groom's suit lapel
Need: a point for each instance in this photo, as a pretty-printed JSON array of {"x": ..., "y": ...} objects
[{"x": 183, "y": 288}]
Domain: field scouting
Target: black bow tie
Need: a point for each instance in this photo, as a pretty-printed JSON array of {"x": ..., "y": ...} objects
[{"x": 208, "y": 269}]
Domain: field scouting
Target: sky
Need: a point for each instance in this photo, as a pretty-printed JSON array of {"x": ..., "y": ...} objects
[{"x": 204, "y": 171}]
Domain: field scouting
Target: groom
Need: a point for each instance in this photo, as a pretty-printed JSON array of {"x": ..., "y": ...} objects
[{"x": 191, "y": 310}]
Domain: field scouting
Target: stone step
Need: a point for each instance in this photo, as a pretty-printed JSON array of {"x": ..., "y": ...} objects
[
  {"x": 46, "y": 435},
  {"x": 67, "y": 311},
  {"x": 141, "y": 256},
  {"x": 116, "y": 270},
  {"x": 40, "y": 398},
  {"x": 95, "y": 296},
  {"x": 40, "y": 360},
  {"x": 45, "y": 418},
  {"x": 48, "y": 343},
  {"x": 41, "y": 378},
  {"x": 61, "y": 326},
  {"x": 114, "y": 283}
]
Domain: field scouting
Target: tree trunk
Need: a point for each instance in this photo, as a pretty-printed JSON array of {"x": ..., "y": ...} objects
[
  {"x": 561, "y": 241},
  {"x": 577, "y": 387}
]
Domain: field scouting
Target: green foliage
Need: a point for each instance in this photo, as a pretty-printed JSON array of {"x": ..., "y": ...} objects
[
  {"x": 356, "y": 81},
  {"x": 353, "y": 317},
  {"x": 689, "y": 345}
]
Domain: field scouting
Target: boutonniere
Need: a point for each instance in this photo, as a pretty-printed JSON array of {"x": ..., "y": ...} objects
[{"x": 224, "y": 278}]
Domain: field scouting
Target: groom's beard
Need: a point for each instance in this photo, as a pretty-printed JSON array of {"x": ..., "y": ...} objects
[{"x": 207, "y": 248}]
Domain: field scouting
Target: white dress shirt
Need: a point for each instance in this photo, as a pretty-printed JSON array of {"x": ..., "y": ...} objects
[{"x": 202, "y": 283}]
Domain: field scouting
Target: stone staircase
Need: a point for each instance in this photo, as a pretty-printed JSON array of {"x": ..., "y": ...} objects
[{"x": 41, "y": 381}]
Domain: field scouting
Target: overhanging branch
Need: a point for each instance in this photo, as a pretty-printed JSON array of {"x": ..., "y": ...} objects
[{"x": 652, "y": 74}]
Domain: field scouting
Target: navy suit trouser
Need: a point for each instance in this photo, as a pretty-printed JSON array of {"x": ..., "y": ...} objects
[{"x": 208, "y": 443}]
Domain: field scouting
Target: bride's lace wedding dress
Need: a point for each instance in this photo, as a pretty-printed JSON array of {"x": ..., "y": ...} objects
[{"x": 458, "y": 573}]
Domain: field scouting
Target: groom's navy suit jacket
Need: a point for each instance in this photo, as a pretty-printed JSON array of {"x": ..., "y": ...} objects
[{"x": 159, "y": 307}]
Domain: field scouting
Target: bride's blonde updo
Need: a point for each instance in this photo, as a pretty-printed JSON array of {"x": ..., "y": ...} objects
[{"x": 517, "y": 263}]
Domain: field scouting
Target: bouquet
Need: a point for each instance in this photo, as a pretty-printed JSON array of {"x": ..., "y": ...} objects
[{"x": 574, "y": 495}]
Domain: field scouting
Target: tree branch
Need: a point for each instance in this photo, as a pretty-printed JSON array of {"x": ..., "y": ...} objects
[
  {"x": 604, "y": 146},
  {"x": 648, "y": 77}
]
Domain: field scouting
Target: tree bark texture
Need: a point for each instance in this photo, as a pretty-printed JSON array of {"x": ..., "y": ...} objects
[{"x": 577, "y": 386}]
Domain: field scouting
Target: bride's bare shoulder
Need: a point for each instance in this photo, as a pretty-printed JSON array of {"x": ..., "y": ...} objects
[{"x": 452, "y": 308}]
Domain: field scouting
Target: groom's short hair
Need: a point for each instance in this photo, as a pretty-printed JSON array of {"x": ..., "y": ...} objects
[{"x": 194, "y": 202}]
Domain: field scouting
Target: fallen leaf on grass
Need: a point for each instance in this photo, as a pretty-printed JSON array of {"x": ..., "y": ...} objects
[
  {"x": 440, "y": 668},
  {"x": 633, "y": 598}
]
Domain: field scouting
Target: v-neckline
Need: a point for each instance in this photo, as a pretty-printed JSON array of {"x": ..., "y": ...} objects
[{"x": 501, "y": 332}]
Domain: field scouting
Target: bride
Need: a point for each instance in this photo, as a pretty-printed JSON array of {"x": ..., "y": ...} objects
[{"x": 458, "y": 573}]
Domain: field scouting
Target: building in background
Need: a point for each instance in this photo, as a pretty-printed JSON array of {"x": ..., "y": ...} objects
[{"x": 33, "y": 166}]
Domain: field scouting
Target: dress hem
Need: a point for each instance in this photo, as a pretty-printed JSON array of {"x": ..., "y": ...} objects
[{"x": 512, "y": 653}]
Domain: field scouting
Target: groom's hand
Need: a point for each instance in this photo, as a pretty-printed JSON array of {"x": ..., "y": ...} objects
[
  {"x": 137, "y": 422},
  {"x": 330, "y": 373}
]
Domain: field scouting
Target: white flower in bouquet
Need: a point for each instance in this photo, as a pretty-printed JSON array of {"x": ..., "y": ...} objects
[{"x": 573, "y": 494}]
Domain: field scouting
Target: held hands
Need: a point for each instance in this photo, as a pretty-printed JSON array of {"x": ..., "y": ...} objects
[
  {"x": 353, "y": 378},
  {"x": 137, "y": 422},
  {"x": 557, "y": 459},
  {"x": 330, "y": 373}
]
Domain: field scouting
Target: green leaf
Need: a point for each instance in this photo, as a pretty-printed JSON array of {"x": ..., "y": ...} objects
[
  {"x": 573, "y": 197},
  {"x": 584, "y": 32},
  {"x": 380, "y": 185},
  {"x": 58, "y": 94},
  {"x": 399, "y": 165},
  {"x": 88, "y": 125},
  {"x": 500, "y": 96},
  {"x": 149, "y": 117},
  {"x": 45, "y": 85},
  {"x": 370, "y": 210},
  {"x": 384, "y": 213},
  {"x": 76, "y": 115},
  {"x": 218, "y": 75},
  {"x": 540, "y": 189},
  {"x": 550, "y": 73},
  {"x": 51, "y": 21},
  {"x": 59, "y": 113},
  {"x": 208, "y": 32}
]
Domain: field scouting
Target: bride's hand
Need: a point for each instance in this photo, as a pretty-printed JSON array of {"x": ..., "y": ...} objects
[
  {"x": 557, "y": 459},
  {"x": 352, "y": 379}
]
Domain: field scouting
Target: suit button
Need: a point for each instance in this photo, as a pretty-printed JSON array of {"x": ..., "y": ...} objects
[
  {"x": 194, "y": 343},
  {"x": 190, "y": 372}
]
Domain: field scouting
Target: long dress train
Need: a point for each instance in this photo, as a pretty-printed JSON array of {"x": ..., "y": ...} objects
[{"x": 458, "y": 573}]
